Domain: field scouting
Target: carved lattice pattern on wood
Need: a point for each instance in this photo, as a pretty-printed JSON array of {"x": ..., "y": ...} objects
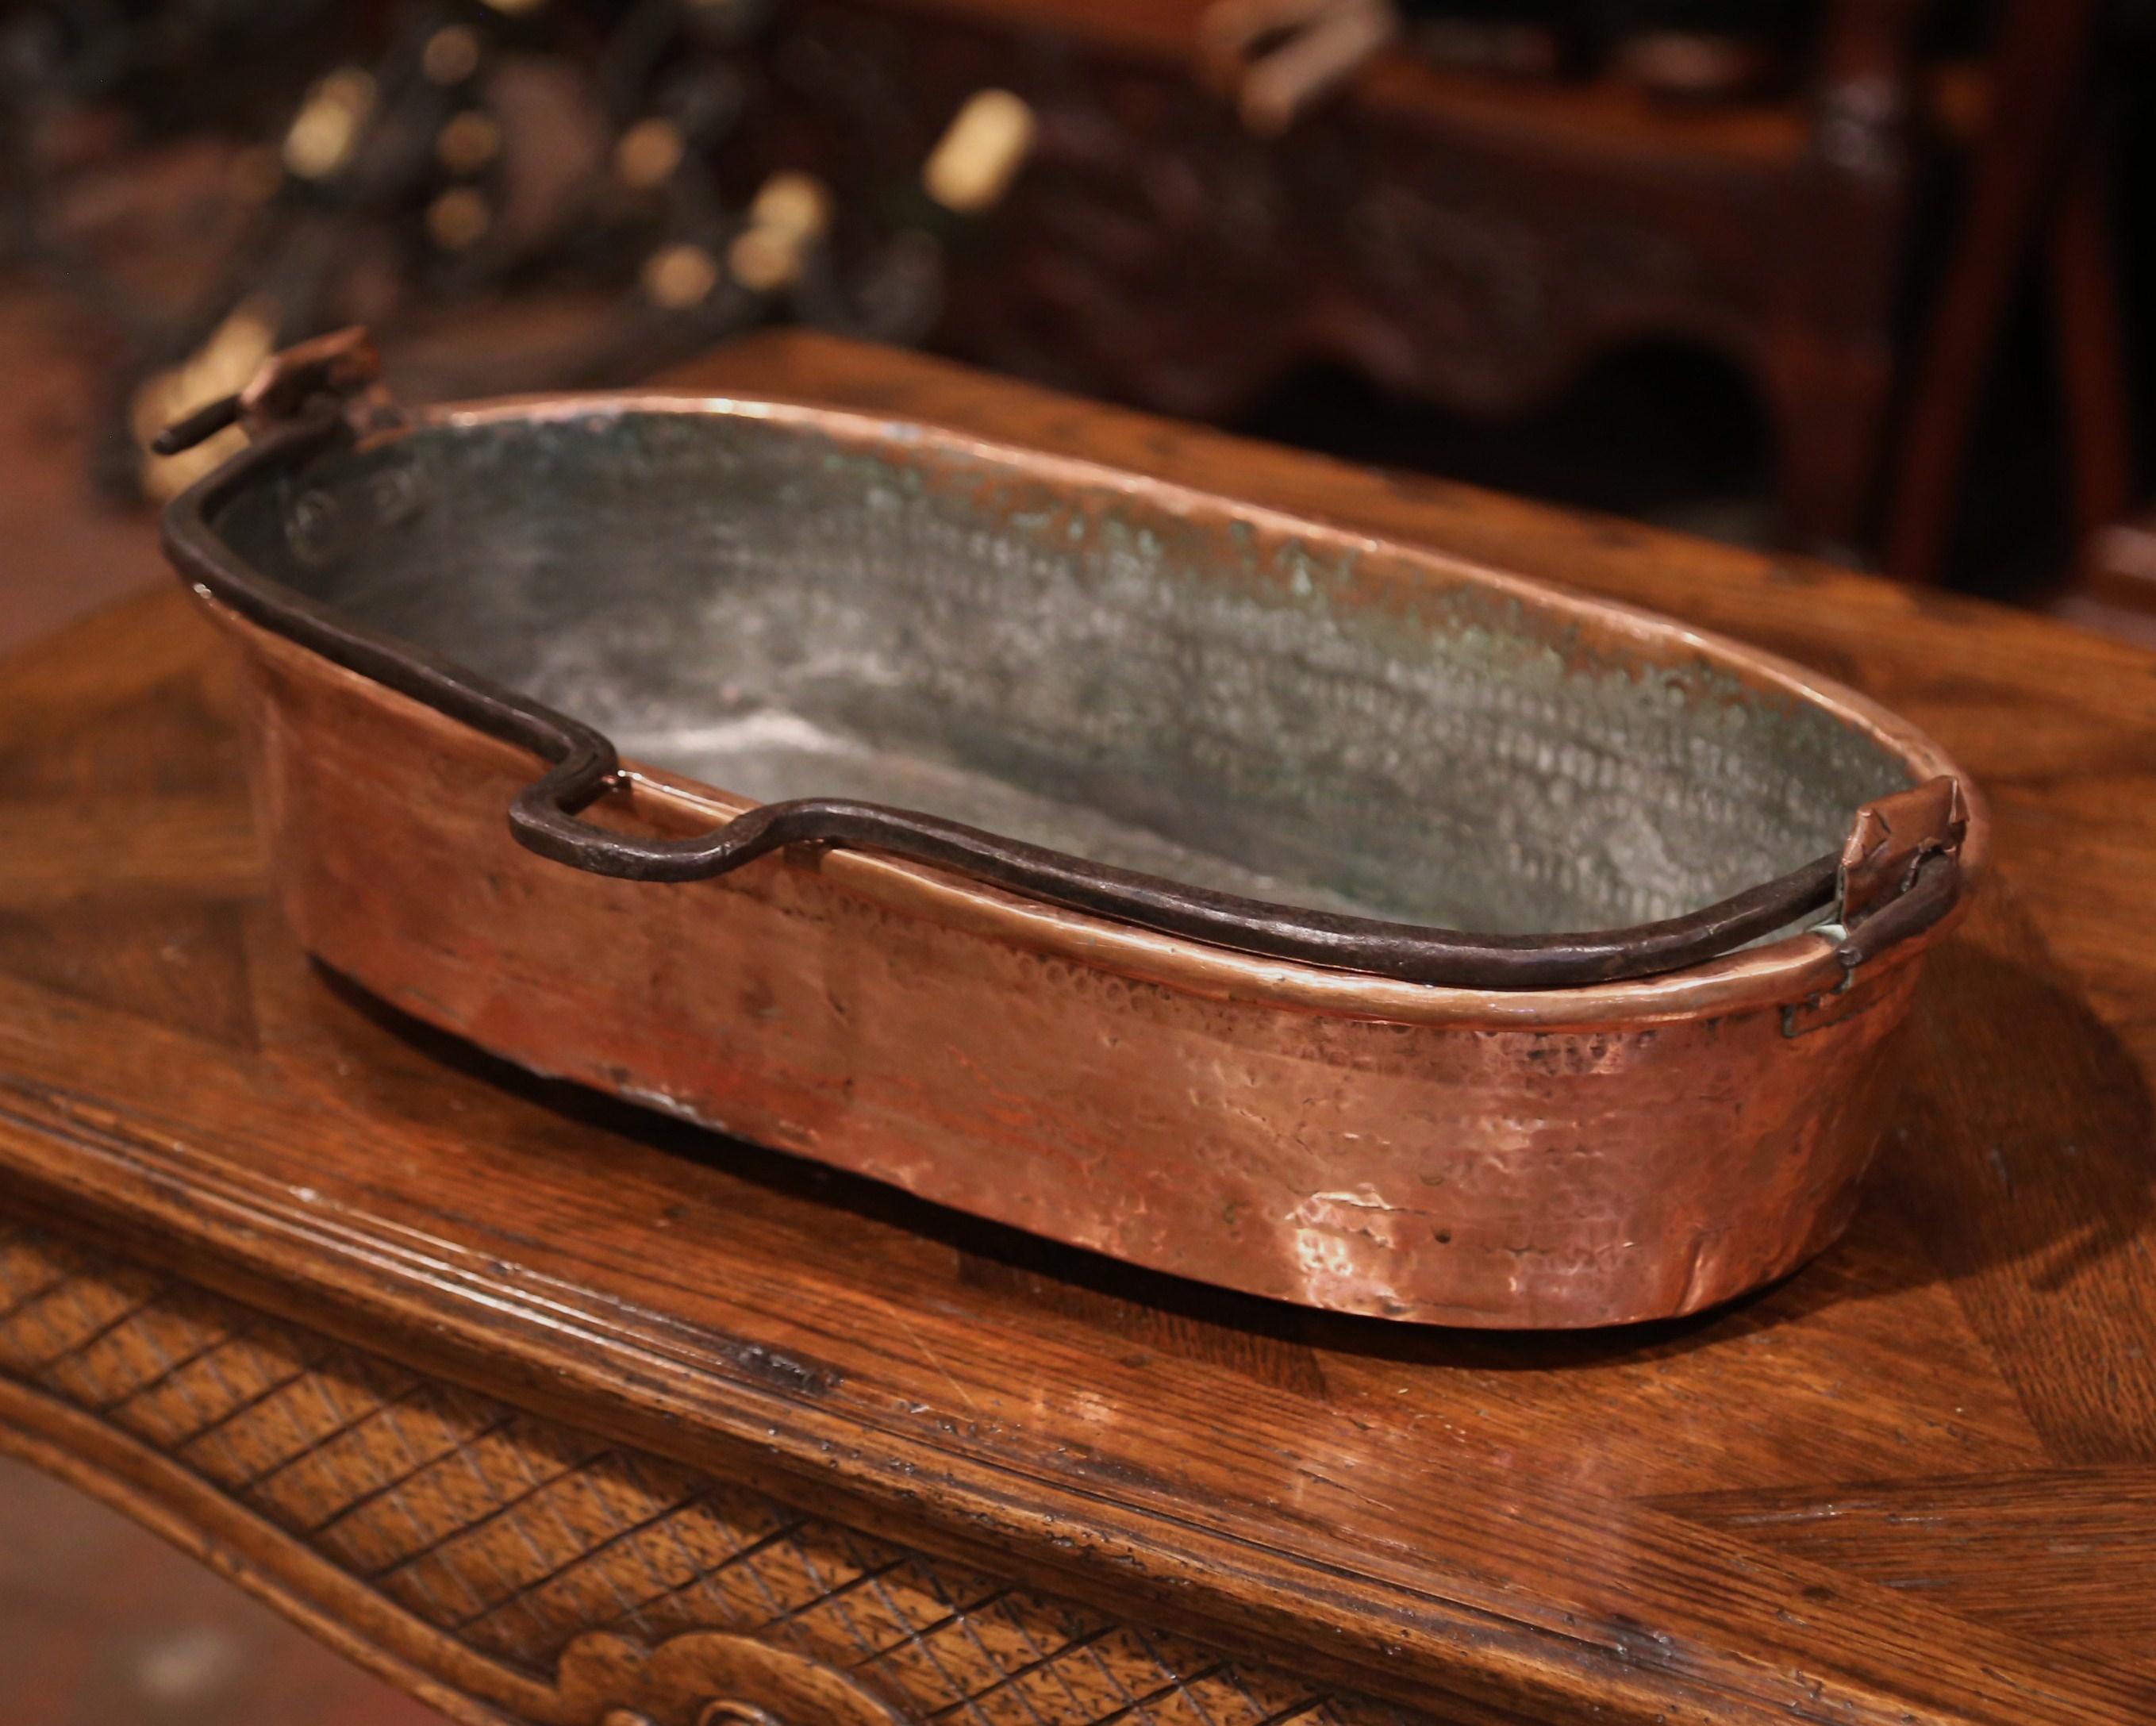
[{"x": 517, "y": 1535}]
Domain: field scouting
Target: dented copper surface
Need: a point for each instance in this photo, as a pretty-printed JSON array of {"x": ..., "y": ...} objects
[{"x": 1178, "y": 686}]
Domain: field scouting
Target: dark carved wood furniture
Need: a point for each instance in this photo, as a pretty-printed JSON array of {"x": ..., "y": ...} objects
[
  {"x": 1470, "y": 240},
  {"x": 555, "y": 1412},
  {"x": 2038, "y": 188}
]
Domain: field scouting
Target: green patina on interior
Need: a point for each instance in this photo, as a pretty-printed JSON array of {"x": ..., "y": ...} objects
[{"x": 751, "y": 602}]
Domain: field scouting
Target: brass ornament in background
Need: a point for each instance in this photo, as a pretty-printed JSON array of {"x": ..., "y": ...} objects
[
  {"x": 790, "y": 215},
  {"x": 647, "y": 154},
  {"x": 327, "y": 129},
  {"x": 981, "y": 153},
  {"x": 1277, "y": 59},
  {"x": 677, "y": 277}
]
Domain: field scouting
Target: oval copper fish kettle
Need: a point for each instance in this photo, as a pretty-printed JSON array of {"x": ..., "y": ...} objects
[{"x": 1096, "y": 854}]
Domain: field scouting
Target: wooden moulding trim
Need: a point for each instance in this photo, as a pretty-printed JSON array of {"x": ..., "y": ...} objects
[
  {"x": 1391, "y": 1633},
  {"x": 328, "y": 1602}
]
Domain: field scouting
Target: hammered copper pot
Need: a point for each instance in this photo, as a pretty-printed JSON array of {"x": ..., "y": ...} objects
[{"x": 1093, "y": 851}]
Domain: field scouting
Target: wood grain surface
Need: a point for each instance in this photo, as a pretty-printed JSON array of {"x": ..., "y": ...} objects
[{"x": 1917, "y": 1482}]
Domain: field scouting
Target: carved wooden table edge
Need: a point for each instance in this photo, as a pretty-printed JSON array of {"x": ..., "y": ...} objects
[
  {"x": 324, "y": 1457},
  {"x": 113, "y": 1340}
]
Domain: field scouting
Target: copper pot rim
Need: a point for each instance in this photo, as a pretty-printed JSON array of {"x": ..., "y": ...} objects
[{"x": 1788, "y": 970}]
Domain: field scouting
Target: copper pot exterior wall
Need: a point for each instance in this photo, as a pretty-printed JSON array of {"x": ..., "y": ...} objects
[{"x": 1487, "y": 1174}]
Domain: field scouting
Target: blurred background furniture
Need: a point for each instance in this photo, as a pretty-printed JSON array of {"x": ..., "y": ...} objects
[
  {"x": 2039, "y": 194},
  {"x": 1493, "y": 218},
  {"x": 1471, "y": 238}
]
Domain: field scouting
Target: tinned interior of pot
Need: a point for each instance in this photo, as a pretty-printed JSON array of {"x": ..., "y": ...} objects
[{"x": 1161, "y": 684}]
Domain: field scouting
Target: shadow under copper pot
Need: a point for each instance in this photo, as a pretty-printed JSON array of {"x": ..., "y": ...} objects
[{"x": 1137, "y": 818}]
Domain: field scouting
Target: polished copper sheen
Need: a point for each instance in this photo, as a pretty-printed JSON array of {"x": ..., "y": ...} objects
[{"x": 1074, "y": 714}]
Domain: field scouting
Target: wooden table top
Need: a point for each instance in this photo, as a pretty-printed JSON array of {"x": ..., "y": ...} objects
[{"x": 1917, "y": 1482}]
